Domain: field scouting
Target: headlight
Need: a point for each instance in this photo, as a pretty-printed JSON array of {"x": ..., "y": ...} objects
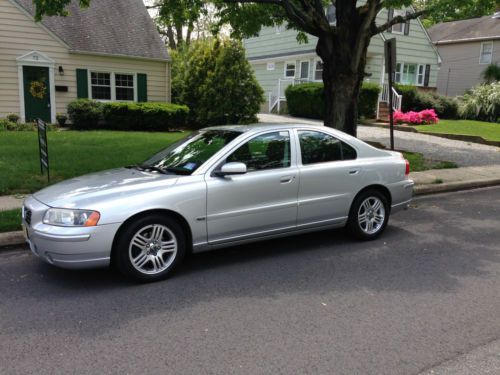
[{"x": 71, "y": 218}]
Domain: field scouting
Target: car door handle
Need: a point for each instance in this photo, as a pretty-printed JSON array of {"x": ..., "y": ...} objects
[
  {"x": 286, "y": 179},
  {"x": 353, "y": 171}
]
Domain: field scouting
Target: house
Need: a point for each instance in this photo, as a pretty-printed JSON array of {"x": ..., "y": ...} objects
[
  {"x": 109, "y": 51},
  {"x": 467, "y": 47},
  {"x": 279, "y": 60}
]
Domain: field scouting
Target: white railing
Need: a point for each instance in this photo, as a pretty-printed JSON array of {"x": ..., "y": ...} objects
[
  {"x": 277, "y": 95},
  {"x": 396, "y": 98}
]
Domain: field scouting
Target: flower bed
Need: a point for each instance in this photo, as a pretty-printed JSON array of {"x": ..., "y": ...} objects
[{"x": 425, "y": 117}]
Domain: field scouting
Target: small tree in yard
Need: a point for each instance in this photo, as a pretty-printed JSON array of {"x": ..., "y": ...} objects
[{"x": 216, "y": 81}]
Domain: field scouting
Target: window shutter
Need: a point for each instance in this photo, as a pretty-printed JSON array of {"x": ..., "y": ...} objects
[
  {"x": 390, "y": 16},
  {"x": 407, "y": 25},
  {"x": 142, "y": 87},
  {"x": 427, "y": 74},
  {"x": 82, "y": 84}
]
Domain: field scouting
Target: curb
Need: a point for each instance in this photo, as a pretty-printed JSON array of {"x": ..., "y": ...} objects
[
  {"x": 12, "y": 239},
  {"x": 17, "y": 238},
  {"x": 454, "y": 186}
]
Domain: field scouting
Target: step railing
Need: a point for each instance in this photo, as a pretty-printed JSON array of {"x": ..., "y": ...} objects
[
  {"x": 397, "y": 99},
  {"x": 277, "y": 95}
]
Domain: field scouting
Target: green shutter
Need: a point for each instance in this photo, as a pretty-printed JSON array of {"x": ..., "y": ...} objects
[
  {"x": 142, "y": 87},
  {"x": 82, "y": 84}
]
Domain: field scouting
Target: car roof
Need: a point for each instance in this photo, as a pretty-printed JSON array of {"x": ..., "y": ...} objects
[{"x": 269, "y": 126}]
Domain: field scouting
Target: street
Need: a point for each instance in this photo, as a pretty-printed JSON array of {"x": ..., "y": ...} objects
[{"x": 426, "y": 291}]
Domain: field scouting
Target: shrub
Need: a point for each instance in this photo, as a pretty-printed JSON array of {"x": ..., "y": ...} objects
[
  {"x": 215, "y": 80},
  {"x": 144, "y": 116},
  {"x": 427, "y": 116},
  {"x": 416, "y": 100},
  {"x": 307, "y": 100},
  {"x": 13, "y": 117},
  {"x": 84, "y": 114},
  {"x": 491, "y": 73},
  {"x": 482, "y": 103}
]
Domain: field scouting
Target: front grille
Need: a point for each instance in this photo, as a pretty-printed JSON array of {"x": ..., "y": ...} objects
[{"x": 27, "y": 215}]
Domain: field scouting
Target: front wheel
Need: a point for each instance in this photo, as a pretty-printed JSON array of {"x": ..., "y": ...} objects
[
  {"x": 150, "y": 248},
  {"x": 369, "y": 215}
]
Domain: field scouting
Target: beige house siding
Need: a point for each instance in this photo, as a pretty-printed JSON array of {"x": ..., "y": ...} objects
[
  {"x": 460, "y": 68},
  {"x": 19, "y": 35}
]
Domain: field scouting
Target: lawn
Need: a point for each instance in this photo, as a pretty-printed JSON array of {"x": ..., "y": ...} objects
[
  {"x": 10, "y": 221},
  {"x": 487, "y": 130},
  {"x": 419, "y": 163},
  {"x": 71, "y": 154}
]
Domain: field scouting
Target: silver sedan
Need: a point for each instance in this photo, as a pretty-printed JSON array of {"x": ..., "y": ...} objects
[{"x": 219, "y": 186}]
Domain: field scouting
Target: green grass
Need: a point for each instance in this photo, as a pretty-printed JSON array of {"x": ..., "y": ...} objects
[
  {"x": 419, "y": 163},
  {"x": 487, "y": 130},
  {"x": 10, "y": 221},
  {"x": 72, "y": 154}
]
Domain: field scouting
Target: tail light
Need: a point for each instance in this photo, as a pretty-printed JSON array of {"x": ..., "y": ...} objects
[{"x": 407, "y": 168}]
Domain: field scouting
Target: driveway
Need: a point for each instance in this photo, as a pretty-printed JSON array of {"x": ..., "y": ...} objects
[
  {"x": 425, "y": 292},
  {"x": 465, "y": 154}
]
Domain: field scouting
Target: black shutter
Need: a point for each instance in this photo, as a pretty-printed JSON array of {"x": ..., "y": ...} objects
[
  {"x": 427, "y": 74},
  {"x": 390, "y": 16},
  {"x": 407, "y": 25},
  {"x": 142, "y": 87},
  {"x": 82, "y": 84}
]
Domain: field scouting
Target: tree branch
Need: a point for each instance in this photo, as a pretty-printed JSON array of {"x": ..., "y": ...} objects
[{"x": 396, "y": 20}]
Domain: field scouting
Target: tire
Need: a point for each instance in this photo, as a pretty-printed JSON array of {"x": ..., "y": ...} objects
[
  {"x": 150, "y": 248},
  {"x": 369, "y": 215}
]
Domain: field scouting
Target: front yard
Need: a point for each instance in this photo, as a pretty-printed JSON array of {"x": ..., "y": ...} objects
[
  {"x": 488, "y": 130},
  {"x": 71, "y": 154}
]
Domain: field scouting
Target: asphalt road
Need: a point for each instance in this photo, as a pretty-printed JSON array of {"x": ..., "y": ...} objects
[{"x": 424, "y": 293}]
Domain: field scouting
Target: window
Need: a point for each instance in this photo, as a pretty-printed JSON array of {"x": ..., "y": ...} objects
[
  {"x": 267, "y": 151},
  {"x": 124, "y": 84},
  {"x": 101, "y": 85},
  {"x": 290, "y": 69},
  {"x": 318, "y": 70},
  {"x": 304, "y": 70},
  {"x": 318, "y": 147},
  {"x": 486, "y": 53},
  {"x": 112, "y": 86},
  {"x": 421, "y": 75},
  {"x": 398, "y": 28},
  {"x": 331, "y": 14},
  {"x": 406, "y": 73}
]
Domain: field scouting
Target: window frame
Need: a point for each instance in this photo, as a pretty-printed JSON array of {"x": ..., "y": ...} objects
[
  {"x": 308, "y": 69},
  {"x": 291, "y": 150},
  {"x": 285, "y": 69},
  {"x": 396, "y": 13},
  {"x": 316, "y": 70},
  {"x": 420, "y": 75},
  {"x": 112, "y": 84},
  {"x": 299, "y": 148},
  {"x": 481, "y": 51},
  {"x": 401, "y": 73}
]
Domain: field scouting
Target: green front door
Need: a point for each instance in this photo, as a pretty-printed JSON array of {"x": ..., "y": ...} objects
[{"x": 36, "y": 93}]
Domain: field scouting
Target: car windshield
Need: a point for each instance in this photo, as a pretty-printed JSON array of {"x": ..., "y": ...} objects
[{"x": 187, "y": 155}]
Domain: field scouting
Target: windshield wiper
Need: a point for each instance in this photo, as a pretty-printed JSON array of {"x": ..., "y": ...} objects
[
  {"x": 180, "y": 171},
  {"x": 147, "y": 167}
]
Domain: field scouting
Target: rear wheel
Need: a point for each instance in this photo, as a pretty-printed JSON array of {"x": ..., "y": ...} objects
[
  {"x": 150, "y": 248},
  {"x": 369, "y": 215}
]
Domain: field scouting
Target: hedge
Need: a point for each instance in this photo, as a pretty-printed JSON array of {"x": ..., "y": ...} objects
[
  {"x": 89, "y": 114},
  {"x": 416, "y": 101},
  {"x": 307, "y": 100}
]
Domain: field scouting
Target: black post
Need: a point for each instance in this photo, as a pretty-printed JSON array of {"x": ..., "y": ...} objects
[{"x": 391, "y": 110}]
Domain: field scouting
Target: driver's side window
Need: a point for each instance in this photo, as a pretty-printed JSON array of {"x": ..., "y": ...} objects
[{"x": 266, "y": 151}]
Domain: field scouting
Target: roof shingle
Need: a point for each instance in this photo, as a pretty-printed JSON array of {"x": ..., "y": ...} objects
[
  {"x": 485, "y": 27},
  {"x": 121, "y": 27}
]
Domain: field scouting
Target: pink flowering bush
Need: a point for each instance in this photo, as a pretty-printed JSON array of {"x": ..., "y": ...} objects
[{"x": 427, "y": 116}]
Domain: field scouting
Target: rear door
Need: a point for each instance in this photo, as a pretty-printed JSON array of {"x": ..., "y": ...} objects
[
  {"x": 262, "y": 201},
  {"x": 330, "y": 176}
]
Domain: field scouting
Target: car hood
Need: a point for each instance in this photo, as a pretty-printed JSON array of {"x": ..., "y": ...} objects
[{"x": 85, "y": 191}]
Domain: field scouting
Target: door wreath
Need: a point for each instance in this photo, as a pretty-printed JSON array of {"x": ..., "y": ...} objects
[{"x": 38, "y": 89}]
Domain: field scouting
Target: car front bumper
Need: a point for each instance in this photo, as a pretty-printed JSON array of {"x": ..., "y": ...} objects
[{"x": 67, "y": 247}]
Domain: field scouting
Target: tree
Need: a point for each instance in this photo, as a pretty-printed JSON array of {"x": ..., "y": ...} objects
[
  {"x": 342, "y": 46},
  {"x": 214, "y": 78},
  {"x": 451, "y": 10},
  {"x": 491, "y": 73},
  {"x": 54, "y": 7},
  {"x": 178, "y": 19}
]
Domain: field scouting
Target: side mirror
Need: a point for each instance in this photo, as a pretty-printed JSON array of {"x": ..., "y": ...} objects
[{"x": 229, "y": 169}]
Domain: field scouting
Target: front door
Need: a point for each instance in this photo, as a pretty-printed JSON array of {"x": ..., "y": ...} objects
[
  {"x": 36, "y": 93},
  {"x": 261, "y": 201}
]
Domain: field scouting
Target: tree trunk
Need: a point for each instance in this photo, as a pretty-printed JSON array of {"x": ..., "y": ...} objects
[{"x": 342, "y": 78}]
